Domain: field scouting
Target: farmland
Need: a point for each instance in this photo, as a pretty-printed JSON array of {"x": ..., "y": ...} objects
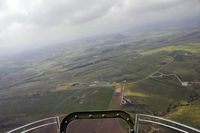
[{"x": 84, "y": 74}]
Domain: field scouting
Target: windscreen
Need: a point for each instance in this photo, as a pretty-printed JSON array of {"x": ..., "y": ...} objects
[
  {"x": 98, "y": 126},
  {"x": 63, "y": 56}
]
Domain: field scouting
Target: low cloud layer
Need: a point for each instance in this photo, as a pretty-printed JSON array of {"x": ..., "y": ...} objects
[{"x": 27, "y": 23}]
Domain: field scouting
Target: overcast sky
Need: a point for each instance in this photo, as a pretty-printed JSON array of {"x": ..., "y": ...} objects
[{"x": 28, "y": 23}]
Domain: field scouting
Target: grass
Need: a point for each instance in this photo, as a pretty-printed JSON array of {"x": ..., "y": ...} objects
[
  {"x": 187, "y": 68},
  {"x": 108, "y": 60},
  {"x": 157, "y": 95},
  {"x": 189, "y": 115},
  {"x": 26, "y": 109},
  {"x": 191, "y": 47}
]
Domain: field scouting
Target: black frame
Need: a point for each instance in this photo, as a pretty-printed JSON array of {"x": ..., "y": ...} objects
[{"x": 97, "y": 115}]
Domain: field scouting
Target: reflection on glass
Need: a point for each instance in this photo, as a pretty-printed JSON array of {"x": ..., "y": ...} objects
[{"x": 113, "y": 125}]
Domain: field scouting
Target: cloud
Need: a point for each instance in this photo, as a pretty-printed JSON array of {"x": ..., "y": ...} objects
[{"x": 27, "y": 23}]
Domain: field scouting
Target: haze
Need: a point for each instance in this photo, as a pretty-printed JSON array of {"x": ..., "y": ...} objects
[{"x": 35, "y": 23}]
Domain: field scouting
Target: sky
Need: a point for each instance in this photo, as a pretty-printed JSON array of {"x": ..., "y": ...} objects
[{"x": 25, "y": 24}]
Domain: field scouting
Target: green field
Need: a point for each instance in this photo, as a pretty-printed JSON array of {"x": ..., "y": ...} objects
[
  {"x": 83, "y": 76},
  {"x": 29, "y": 108}
]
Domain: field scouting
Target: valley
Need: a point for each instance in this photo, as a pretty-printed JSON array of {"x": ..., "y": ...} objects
[{"x": 86, "y": 74}]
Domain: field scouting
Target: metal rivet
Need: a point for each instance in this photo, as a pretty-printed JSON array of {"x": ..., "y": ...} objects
[{"x": 90, "y": 116}]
